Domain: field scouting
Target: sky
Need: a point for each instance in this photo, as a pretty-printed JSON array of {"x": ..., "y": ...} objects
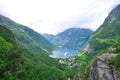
[{"x": 54, "y": 16}]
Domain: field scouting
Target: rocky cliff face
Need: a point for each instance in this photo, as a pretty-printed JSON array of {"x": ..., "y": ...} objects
[
  {"x": 100, "y": 70},
  {"x": 89, "y": 48}
]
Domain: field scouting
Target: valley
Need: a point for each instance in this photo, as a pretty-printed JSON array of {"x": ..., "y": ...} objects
[
  {"x": 69, "y": 42},
  {"x": 74, "y": 54}
]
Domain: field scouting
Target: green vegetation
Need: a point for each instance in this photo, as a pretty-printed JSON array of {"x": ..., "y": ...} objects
[
  {"x": 108, "y": 32},
  {"x": 5, "y": 46},
  {"x": 116, "y": 63},
  {"x": 19, "y": 64}
]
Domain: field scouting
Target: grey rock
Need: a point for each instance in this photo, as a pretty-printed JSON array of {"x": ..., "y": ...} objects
[
  {"x": 100, "y": 70},
  {"x": 89, "y": 48}
]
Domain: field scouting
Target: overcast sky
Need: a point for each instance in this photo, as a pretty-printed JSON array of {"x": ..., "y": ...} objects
[{"x": 53, "y": 16}]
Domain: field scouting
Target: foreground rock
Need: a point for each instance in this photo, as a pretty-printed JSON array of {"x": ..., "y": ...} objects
[{"x": 100, "y": 70}]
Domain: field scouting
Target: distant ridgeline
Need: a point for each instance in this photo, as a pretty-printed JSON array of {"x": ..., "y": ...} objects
[{"x": 73, "y": 38}]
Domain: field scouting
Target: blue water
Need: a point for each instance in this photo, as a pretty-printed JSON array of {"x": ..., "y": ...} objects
[{"x": 64, "y": 53}]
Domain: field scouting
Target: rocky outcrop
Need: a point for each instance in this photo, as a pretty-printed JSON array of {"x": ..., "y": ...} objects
[
  {"x": 89, "y": 48},
  {"x": 100, "y": 70}
]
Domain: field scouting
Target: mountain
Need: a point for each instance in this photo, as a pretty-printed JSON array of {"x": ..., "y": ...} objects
[
  {"x": 8, "y": 56},
  {"x": 19, "y": 64},
  {"x": 103, "y": 49},
  {"x": 26, "y": 37},
  {"x": 108, "y": 33},
  {"x": 73, "y": 38},
  {"x": 49, "y": 37}
]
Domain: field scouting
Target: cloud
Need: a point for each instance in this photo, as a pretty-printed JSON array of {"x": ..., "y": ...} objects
[{"x": 53, "y": 16}]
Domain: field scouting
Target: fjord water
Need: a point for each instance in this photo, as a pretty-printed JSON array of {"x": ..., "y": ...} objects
[{"x": 64, "y": 53}]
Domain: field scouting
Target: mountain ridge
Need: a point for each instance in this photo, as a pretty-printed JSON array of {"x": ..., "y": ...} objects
[
  {"x": 105, "y": 42},
  {"x": 27, "y": 37},
  {"x": 108, "y": 31},
  {"x": 73, "y": 38}
]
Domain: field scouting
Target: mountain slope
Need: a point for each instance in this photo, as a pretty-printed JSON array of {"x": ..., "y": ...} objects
[
  {"x": 10, "y": 57},
  {"x": 19, "y": 64},
  {"x": 49, "y": 37},
  {"x": 104, "y": 47},
  {"x": 71, "y": 38},
  {"x": 25, "y": 36},
  {"x": 108, "y": 32}
]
